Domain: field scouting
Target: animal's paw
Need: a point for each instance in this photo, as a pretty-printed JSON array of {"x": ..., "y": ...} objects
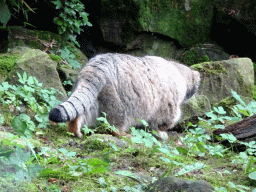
[{"x": 162, "y": 134}]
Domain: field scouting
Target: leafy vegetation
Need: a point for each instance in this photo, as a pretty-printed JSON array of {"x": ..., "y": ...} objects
[
  {"x": 97, "y": 163},
  {"x": 69, "y": 57},
  {"x": 72, "y": 16},
  {"x": 72, "y": 19},
  {"x": 9, "y": 8}
]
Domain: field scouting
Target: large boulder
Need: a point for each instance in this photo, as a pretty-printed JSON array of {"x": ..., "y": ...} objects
[
  {"x": 38, "y": 64},
  {"x": 119, "y": 20},
  {"x": 217, "y": 80},
  {"x": 219, "y": 77}
]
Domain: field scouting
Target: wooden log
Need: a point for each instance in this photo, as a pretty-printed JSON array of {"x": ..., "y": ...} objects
[{"x": 244, "y": 130}]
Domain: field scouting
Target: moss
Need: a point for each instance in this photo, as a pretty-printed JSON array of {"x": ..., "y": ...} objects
[
  {"x": 55, "y": 58},
  {"x": 210, "y": 68},
  {"x": 170, "y": 18},
  {"x": 190, "y": 57},
  {"x": 35, "y": 39},
  {"x": 204, "y": 58},
  {"x": 227, "y": 104},
  {"x": 7, "y": 62},
  {"x": 248, "y": 90}
]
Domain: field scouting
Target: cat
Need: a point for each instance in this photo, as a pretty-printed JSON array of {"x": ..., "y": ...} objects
[{"x": 127, "y": 88}]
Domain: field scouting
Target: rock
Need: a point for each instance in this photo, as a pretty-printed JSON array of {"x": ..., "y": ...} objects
[
  {"x": 38, "y": 64},
  {"x": 173, "y": 184},
  {"x": 196, "y": 106},
  {"x": 147, "y": 43},
  {"x": 120, "y": 19},
  {"x": 218, "y": 78},
  {"x": 203, "y": 53}
]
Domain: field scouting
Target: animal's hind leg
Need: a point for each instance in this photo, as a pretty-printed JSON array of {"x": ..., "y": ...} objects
[{"x": 75, "y": 125}]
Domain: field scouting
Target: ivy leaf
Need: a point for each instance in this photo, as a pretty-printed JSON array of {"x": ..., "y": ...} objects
[
  {"x": 237, "y": 97},
  {"x": 34, "y": 170},
  {"x": 219, "y": 110},
  {"x": 230, "y": 137},
  {"x": 58, "y": 4}
]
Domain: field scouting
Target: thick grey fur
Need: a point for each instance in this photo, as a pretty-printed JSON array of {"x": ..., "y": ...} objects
[{"x": 129, "y": 88}]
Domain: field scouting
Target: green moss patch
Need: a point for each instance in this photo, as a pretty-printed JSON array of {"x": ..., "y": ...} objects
[
  {"x": 7, "y": 62},
  {"x": 210, "y": 68},
  {"x": 55, "y": 58}
]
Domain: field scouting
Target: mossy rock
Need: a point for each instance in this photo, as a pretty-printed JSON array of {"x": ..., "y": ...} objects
[
  {"x": 38, "y": 64},
  {"x": 120, "y": 19},
  {"x": 196, "y": 106},
  {"x": 171, "y": 18},
  {"x": 219, "y": 77},
  {"x": 203, "y": 53},
  {"x": 210, "y": 68},
  {"x": 36, "y": 39},
  {"x": 7, "y": 63}
]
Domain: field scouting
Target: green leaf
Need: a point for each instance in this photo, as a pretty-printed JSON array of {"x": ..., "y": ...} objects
[
  {"x": 230, "y": 137},
  {"x": 200, "y": 147},
  {"x": 66, "y": 153},
  {"x": 143, "y": 122},
  {"x": 30, "y": 80},
  {"x": 58, "y": 4},
  {"x": 237, "y": 97},
  {"x": 189, "y": 168},
  {"x": 34, "y": 170},
  {"x": 182, "y": 150},
  {"x": 219, "y": 110},
  {"x": 21, "y": 156},
  {"x": 19, "y": 125},
  {"x": 21, "y": 175},
  {"x": 5, "y": 13},
  {"x": 6, "y": 153},
  {"x": 113, "y": 146},
  {"x": 219, "y": 126},
  {"x": 252, "y": 175},
  {"x": 127, "y": 174}
]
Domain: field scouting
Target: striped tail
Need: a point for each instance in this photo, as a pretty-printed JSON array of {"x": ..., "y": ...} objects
[
  {"x": 80, "y": 101},
  {"x": 77, "y": 104}
]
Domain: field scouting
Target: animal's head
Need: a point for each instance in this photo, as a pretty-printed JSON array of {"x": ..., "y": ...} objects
[{"x": 193, "y": 82}]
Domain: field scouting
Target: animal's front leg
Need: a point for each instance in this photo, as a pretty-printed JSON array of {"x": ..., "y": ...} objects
[{"x": 75, "y": 126}]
